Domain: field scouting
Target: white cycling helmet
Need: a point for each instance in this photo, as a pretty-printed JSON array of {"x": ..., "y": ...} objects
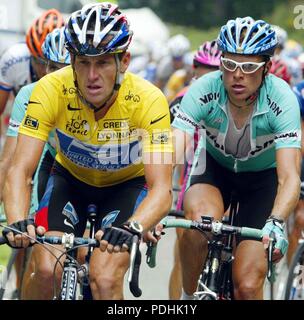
[
  {"x": 281, "y": 34},
  {"x": 96, "y": 29},
  {"x": 54, "y": 49},
  {"x": 178, "y": 45}
]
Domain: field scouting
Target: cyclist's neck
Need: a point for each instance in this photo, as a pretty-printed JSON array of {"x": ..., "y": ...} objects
[
  {"x": 244, "y": 105},
  {"x": 103, "y": 111}
]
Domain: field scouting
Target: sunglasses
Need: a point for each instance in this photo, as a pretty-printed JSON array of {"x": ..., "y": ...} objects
[{"x": 246, "y": 67}]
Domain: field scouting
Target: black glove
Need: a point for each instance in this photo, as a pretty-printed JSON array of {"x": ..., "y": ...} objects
[
  {"x": 20, "y": 226},
  {"x": 117, "y": 236}
]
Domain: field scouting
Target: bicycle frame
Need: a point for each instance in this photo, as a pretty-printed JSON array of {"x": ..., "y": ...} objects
[
  {"x": 215, "y": 281},
  {"x": 70, "y": 275},
  {"x": 71, "y": 271}
]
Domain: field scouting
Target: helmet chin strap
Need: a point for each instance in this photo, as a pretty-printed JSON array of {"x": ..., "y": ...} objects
[{"x": 118, "y": 80}]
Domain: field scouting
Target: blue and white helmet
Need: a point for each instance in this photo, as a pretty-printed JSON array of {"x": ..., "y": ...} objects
[
  {"x": 247, "y": 36},
  {"x": 96, "y": 29},
  {"x": 53, "y": 47}
]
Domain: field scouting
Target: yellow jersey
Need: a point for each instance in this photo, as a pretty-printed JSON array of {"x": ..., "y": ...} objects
[{"x": 104, "y": 152}]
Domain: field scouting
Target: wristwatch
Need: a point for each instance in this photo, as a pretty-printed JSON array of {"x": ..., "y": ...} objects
[{"x": 135, "y": 226}]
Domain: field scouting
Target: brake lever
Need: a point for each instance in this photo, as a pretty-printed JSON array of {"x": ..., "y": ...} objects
[
  {"x": 135, "y": 261},
  {"x": 270, "y": 264}
]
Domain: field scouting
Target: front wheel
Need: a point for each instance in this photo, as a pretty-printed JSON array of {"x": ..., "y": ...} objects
[
  {"x": 69, "y": 283},
  {"x": 295, "y": 280}
]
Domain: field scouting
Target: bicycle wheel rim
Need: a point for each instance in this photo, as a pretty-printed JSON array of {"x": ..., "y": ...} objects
[{"x": 293, "y": 286}]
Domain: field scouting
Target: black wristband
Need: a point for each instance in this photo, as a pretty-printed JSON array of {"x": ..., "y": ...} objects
[
  {"x": 277, "y": 221},
  {"x": 275, "y": 218}
]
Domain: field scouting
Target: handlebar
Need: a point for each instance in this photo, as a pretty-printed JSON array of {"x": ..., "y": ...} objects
[
  {"x": 216, "y": 228},
  {"x": 65, "y": 240},
  {"x": 69, "y": 241}
]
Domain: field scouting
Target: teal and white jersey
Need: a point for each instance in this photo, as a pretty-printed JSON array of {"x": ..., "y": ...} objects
[
  {"x": 274, "y": 124},
  {"x": 18, "y": 112},
  {"x": 17, "y": 115}
]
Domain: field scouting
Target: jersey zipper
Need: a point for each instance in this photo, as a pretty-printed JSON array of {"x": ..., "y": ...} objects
[{"x": 235, "y": 165}]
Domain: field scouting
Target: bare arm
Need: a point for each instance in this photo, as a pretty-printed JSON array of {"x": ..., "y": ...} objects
[
  {"x": 3, "y": 100},
  {"x": 6, "y": 159},
  {"x": 158, "y": 201},
  {"x": 288, "y": 170},
  {"x": 17, "y": 189},
  {"x": 302, "y": 137},
  {"x": 182, "y": 142}
]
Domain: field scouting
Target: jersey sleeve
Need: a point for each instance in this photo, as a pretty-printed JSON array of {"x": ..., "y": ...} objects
[
  {"x": 41, "y": 112},
  {"x": 287, "y": 123},
  {"x": 6, "y": 82},
  {"x": 192, "y": 110},
  {"x": 18, "y": 111},
  {"x": 155, "y": 124}
]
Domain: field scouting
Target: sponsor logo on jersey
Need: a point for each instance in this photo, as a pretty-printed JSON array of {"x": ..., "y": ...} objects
[
  {"x": 31, "y": 122},
  {"x": 160, "y": 137},
  {"x": 209, "y": 97},
  {"x": 70, "y": 108},
  {"x": 292, "y": 135},
  {"x": 66, "y": 90},
  {"x": 11, "y": 62},
  {"x": 71, "y": 214},
  {"x": 109, "y": 219},
  {"x": 158, "y": 119},
  {"x": 132, "y": 97},
  {"x": 107, "y": 157},
  {"x": 274, "y": 107},
  {"x": 116, "y": 124},
  {"x": 186, "y": 119},
  {"x": 107, "y": 135},
  {"x": 14, "y": 125},
  {"x": 78, "y": 126}
]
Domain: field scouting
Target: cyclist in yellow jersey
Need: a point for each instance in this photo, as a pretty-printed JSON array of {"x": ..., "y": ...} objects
[{"x": 113, "y": 138}]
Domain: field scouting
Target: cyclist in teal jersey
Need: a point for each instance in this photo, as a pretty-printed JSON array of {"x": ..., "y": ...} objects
[
  {"x": 250, "y": 143},
  {"x": 56, "y": 57},
  {"x": 20, "y": 65}
]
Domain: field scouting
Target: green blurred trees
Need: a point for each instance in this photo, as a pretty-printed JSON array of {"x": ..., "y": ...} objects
[{"x": 204, "y": 13}]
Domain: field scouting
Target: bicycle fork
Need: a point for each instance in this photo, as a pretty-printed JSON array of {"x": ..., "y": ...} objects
[
  {"x": 86, "y": 289},
  {"x": 208, "y": 282},
  {"x": 69, "y": 275}
]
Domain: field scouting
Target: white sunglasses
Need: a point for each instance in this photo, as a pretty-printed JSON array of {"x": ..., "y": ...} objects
[{"x": 246, "y": 67}]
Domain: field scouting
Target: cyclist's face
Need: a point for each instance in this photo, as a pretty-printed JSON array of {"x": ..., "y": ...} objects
[
  {"x": 39, "y": 66},
  {"x": 202, "y": 70},
  {"x": 96, "y": 76},
  {"x": 54, "y": 66},
  {"x": 241, "y": 85}
]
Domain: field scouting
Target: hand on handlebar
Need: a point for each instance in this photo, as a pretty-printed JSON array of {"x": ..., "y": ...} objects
[
  {"x": 281, "y": 242},
  {"x": 116, "y": 239},
  {"x": 155, "y": 235},
  {"x": 17, "y": 240}
]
